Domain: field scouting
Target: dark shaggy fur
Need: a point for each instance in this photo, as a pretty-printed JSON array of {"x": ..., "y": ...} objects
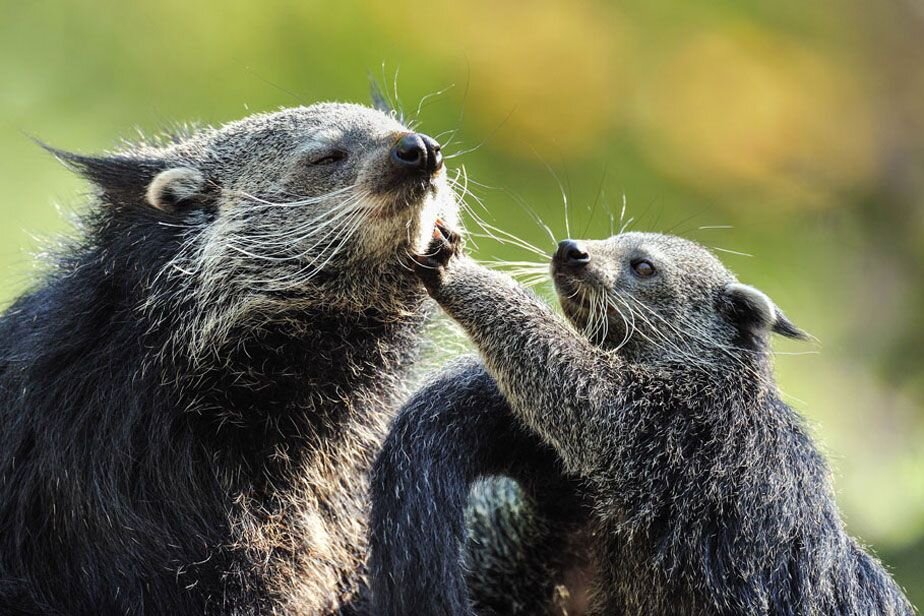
[
  {"x": 192, "y": 397},
  {"x": 706, "y": 493},
  {"x": 519, "y": 536}
]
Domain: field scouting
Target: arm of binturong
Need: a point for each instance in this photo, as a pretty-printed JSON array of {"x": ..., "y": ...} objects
[{"x": 556, "y": 381}]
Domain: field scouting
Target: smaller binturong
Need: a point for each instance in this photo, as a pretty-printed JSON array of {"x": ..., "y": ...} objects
[{"x": 659, "y": 471}]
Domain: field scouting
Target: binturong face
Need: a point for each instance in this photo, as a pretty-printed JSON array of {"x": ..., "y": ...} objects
[
  {"x": 654, "y": 297},
  {"x": 320, "y": 195},
  {"x": 310, "y": 207}
]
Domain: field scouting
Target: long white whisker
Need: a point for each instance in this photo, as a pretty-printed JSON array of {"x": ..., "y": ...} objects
[
  {"x": 302, "y": 201},
  {"x": 289, "y": 242},
  {"x": 312, "y": 267},
  {"x": 732, "y": 252},
  {"x": 346, "y": 229},
  {"x": 488, "y": 227},
  {"x": 306, "y": 230},
  {"x": 424, "y": 99},
  {"x": 655, "y": 330},
  {"x": 696, "y": 332},
  {"x": 629, "y": 327}
]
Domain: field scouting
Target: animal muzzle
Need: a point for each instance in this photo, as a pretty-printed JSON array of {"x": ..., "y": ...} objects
[
  {"x": 571, "y": 255},
  {"x": 417, "y": 154}
]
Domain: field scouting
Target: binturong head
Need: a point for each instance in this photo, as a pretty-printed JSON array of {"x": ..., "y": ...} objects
[
  {"x": 656, "y": 297},
  {"x": 307, "y": 207}
]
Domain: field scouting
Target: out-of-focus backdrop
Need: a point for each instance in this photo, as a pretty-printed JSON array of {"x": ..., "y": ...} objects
[{"x": 791, "y": 131}]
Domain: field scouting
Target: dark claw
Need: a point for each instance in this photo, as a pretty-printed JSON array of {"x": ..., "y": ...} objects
[
  {"x": 431, "y": 265},
  {"x": 451, "y": 237}
]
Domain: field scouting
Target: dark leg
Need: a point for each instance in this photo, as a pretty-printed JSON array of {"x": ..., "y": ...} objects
[{"x": 452, "y": 433}]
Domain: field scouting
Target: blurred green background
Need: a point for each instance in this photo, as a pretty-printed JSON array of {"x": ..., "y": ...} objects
[{"x": 792, "y": 131}]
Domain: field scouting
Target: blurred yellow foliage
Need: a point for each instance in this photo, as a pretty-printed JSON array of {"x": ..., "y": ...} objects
[
  {"x": 545, "y": 70},
  {"x": 738, "y": 109}
]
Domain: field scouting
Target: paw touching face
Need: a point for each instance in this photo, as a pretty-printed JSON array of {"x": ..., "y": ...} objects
[{"x": 431, "y": 265}]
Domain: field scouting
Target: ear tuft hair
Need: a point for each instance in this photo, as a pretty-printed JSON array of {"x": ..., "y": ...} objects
[
  {"x": 122, "y": 179},
  {"x": 785, "y": 327},
  {"x": 379, "y": 100},
  {"x": 176, "y": 187},
  {"x": 752, "y": 311},
  {"x": 382, "y": 102}
]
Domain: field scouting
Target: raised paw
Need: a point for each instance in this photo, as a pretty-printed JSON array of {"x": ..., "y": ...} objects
[{"x": 431, "y": 265}]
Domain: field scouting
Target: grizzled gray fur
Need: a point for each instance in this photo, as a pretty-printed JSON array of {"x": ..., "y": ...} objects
[
  {"x": 192, "y": 396},
  {"x": 705, "y": 493}
]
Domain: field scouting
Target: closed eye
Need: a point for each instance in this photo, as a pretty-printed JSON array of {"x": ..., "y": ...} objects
[{"x": 328, "y": 157}]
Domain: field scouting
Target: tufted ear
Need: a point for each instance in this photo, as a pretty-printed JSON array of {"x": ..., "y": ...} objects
[
  {"x": 134, "y": 180},
  {"x": 122, "y": 180},
  {"x": 753, "y": 312},
  {"x": 379, "y": 101}
]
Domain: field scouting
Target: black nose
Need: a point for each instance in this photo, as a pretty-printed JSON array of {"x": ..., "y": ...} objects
[
  {"x": 571, "y": 253},
  {"x": 419, "y": 152}
]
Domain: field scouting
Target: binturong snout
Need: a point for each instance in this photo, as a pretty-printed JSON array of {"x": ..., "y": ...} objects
[
  {"x": 571, "y": 254},
  {"x": 417, "y": 152}
]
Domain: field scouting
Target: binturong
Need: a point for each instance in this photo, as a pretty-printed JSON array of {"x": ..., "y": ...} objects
[
  {"x": 696, "y": 489},
  {"x": 193, "y": 393}
]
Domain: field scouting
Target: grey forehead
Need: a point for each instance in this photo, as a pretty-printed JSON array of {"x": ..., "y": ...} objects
[
  {"x": 657, "y": 242},
  {"x": 681, "y": 250},
  {"x": 344, "y": 116},
  {"x": 288, "y": 127}
]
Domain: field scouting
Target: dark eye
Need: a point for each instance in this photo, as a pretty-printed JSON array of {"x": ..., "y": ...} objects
[
  {"x": 643, "y": 268},
  {"x": 328, "y": 158}
]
